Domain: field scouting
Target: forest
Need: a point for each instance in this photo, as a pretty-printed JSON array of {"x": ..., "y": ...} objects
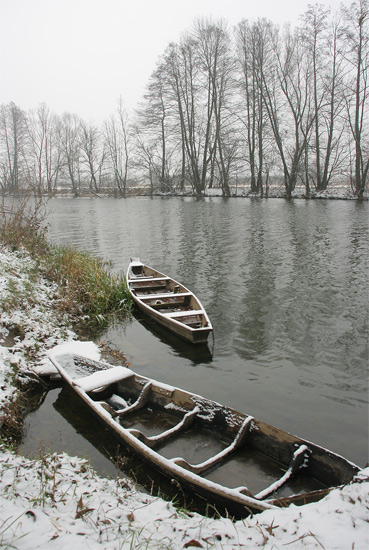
[{"x": 254, "y": 106}]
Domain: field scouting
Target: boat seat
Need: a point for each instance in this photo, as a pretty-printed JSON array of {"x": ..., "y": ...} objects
[
  {"x": 212, "y": 461},
  {"x": 155, "y": 440},
  {"x": 163, "y": 307},
  {"x": 149, "y": 279},
  {"x": 102, "y": 378},
  {"x": 148, "y": 283},
  {"x": 163, "y": 296},
  {"x": 138, "y": 404},
  {"x": 299, "y": 460},
  {"x": 145, "y": 288},
  {"x": 188, "y": 313}
]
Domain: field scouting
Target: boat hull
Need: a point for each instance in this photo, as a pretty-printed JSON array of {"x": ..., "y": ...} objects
[
  {"x": 244, "y": 431},
  {"x": 167, "y": 302},
  {"x": 198, "y": 336}
]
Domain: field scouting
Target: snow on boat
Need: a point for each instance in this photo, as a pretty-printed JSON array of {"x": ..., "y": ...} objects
[
  {"x": 231, "y": 459},
  {"x": 168, "y": 302}
]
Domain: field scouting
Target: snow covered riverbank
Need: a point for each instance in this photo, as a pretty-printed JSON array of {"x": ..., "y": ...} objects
[{"x": 58, "y": 501}]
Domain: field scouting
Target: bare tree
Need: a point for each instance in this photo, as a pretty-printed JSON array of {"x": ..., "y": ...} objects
[
  {"x": 117, "y": 142},
  {"x": 156, "y": 128},
  {"x": 144, "y": 156},
  {"x": 253, "y": 44},
  {"x": 355, "y": 48},
  {"x": 199, "y": 71},
  {"x": 208, "y": 39},
  {"x": 183, "y": 74},
  {"x": 320, "y": 41},
  {"x": 287, "y": 99},
  {"x": 13, "y": 141},
  {"x": 69, "y": 143},
  {"x": 215, "y": 55},
  {"x": 44, "y": 149},
  {"x": 93, "y": 154}
]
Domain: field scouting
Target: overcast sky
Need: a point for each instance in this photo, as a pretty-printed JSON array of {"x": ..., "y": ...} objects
[{"x": 81, "y": 55}]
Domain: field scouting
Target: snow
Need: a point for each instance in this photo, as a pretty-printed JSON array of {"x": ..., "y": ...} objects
[
  {"x": 164, "y": 387},
  {"x": 86, "y": 349},
  {"x": 300, "y": 452},
  {"x": 103, "y": 378},
  {"x": 334, "y": 191},
  {"x": 58, "y": 501}
]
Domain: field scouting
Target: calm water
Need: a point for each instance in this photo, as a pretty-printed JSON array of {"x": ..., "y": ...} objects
[{"x": 285, "y": 284}]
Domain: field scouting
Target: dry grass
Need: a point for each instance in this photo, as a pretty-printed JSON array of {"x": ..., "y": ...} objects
[
  {"x": 87, "y": 286},
  {"x": 22, "y": 224},
  {"x": 11, "y": 420}
]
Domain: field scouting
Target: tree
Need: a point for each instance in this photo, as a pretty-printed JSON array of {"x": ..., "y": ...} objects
[
  {"x": 253, "y": 55},
  {"x": 287, "y": 99},
  {"x": 69, "y": 143},
  {"x": 355, "y": 49},
  {"x": 215, "y": 56},
  {"x": 183, "y": 74},
  {"x": 320, "y": 43},
  {"x": 13, "y": 140},
  {"x": 44, "y": 149},
  {"x": 93, "y": 154},
  {"x": 199, "y": 72},
  {"x": 117, "y": 142},
  {"x": 154, "y": 128}
]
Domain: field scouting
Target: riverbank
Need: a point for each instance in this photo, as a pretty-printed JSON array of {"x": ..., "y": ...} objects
[
  {"x": 274, "y": 191},
  {"x": 58, "y": 500}
]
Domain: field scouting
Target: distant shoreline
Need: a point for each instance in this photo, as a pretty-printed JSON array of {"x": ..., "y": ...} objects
[{"x": 241, "y": 193}]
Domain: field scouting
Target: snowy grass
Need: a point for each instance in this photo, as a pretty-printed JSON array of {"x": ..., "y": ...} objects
[
  {"x": 30, "y": 313},
  {"x": 87, "y": 286},
  {"x": 58, "y": 501},
  {"x": 30, "y": 322}
]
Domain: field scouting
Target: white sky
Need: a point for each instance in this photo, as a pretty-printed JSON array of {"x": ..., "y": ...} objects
[{"x": 81, "y": 55}]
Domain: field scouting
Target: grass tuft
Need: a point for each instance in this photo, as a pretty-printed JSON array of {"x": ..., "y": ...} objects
[{"x": 88, "y": 284}]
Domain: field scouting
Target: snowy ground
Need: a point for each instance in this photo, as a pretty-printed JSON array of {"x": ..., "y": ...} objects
[
  {"x": 338, "y": 192},
  {"x": 58, "y": 501}
]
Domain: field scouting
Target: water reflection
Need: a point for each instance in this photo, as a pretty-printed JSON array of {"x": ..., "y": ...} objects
[
  {"x": 199, "y": 354},
  {"x": 109, "y": 457}
]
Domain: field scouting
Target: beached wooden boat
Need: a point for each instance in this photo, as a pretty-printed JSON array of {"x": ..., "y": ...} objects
[
  {"x": 239, "y": 463},
  {"x": 168, "y": 302}
]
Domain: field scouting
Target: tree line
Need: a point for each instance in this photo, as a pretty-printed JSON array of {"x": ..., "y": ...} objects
[{"x": 255, "y": 106}]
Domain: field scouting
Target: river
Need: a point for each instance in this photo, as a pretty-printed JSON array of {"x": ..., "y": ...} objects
[{"x": 285, "y": 284}]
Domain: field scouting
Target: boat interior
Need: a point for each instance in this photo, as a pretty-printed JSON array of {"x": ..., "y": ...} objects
[
  {"x": 205, "y": 438},
  {"x": 167, "y": 297}
]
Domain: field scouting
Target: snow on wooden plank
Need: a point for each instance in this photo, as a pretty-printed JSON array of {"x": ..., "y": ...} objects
[{"x": 103, "y": 378}]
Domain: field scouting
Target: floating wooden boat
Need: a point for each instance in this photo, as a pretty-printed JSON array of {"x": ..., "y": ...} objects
[
  {"x": 233, "y": 460},
  {"x": 168, "y": 302}
]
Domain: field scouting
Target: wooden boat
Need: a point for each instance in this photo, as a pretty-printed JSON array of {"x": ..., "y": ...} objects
[
  {"x": 239, "y": 463},
  {"x": 168, "y": 302}
]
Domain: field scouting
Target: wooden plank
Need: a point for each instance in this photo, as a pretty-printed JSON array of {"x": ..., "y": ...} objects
[
  {"x": 188, "y": 313},
  {"x": 163, "y": 296}
]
